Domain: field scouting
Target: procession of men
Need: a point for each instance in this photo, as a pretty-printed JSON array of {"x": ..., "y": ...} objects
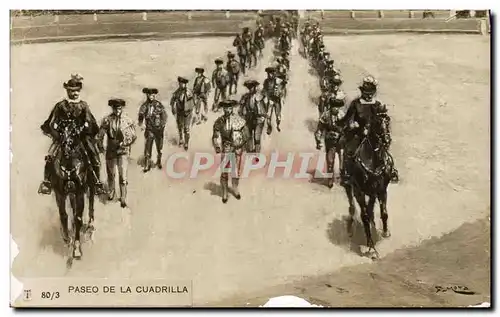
[{"x": 234, "y": 132}]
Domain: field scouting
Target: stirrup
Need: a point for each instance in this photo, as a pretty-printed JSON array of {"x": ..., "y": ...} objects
[
  {"x": 99, "y": 188},
  {"x": 45, "y": 188}
]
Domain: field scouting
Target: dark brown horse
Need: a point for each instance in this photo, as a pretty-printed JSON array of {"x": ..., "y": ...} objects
[
  {"x": 71, "y": 178},
  {"x": 370, "y": 176}
]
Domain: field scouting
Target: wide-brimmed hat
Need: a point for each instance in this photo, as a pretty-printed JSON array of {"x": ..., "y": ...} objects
[
  {"x": 270, "y": 69},
  {"x": 251, "y": 83},
  {"x": 182, "y": 80},
  {"x": 369, "y": 85},
  {"x": 336, "y": 79},
  {"x": 228, "y": 103},
  {"x": 219, "y": 61},
  {"x": 200, "y": 70},
  {"x": 116, "y": 102},
  {"x": 339, "y": 97},
  {"x": 73, "y": 84},
  {"x": 149, "y": 91}
]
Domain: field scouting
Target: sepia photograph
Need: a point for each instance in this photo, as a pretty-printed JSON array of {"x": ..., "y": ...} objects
[{"x": 251, "y": 158}]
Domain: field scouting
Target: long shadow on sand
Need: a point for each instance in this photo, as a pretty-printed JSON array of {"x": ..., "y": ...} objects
[
  {"x": 337, "y": 234},
  {"x": 311, "y": 124},
  {"x": 52, "y": 238},
  {"x": 214, "y": 189},
  {"x": 323, "y": 181},
  {"x": 314, "y": 99}
]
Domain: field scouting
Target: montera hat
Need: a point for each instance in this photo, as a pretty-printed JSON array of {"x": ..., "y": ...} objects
[
  {"x": 116, "y": 102},
  {"x": 251, "y": 83},
  {"x": 270, "y": 69},
  {"x": 182, "y": 80},
  {"x": 219, "y": 61},
  {"x": 228, "y": 103},
  {"x": 149, "y": 91},
  {"x": 199, "y": 70}
]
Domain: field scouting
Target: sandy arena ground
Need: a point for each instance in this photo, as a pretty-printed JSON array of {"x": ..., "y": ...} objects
[{"x": 282, "y": 230}]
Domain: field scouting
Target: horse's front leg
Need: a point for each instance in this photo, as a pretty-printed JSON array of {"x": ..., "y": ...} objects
[
  {"x": 63, "y": 216},
  {"x": 382, "y": 199},
  {"x": 365, "y": 218},
  {"x": 78, "y": 207},
  {"x": 91, "y": 206},
  {"x": 330, "y": 164},
  {"x": 352, "y": 208}
]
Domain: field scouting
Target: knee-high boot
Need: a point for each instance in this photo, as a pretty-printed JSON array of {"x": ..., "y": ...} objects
[
  {"x": 224, "y": 182},
  {"x": 123, "y": 194},
  {"x": 235, "y": 182}
]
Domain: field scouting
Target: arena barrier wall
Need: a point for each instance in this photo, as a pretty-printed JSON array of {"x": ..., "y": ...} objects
[{"x": 80, "y": 27}]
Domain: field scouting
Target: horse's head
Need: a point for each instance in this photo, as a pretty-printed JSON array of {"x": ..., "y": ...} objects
[
  {"x": 380, "y": 134},
  {"x": 70, "y": 162}
]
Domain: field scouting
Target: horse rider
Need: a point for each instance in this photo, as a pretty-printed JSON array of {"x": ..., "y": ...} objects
[
  {"x": 253, "y": 110},
  {"x": 230, "y": 135},
  {"x": 182, "y": 108},
  {"x": 72, "y": 108},
  {"x": 201, "y": 89},
  {"x": 357, "y": 120},
  {"x": 233, "y": 69},
  {"x": 153, "y": 112},
  {"x": 120, "y": 131},
  {"x": 220, "y": 80},
  {"x": 329, "y": 130},
  {"x": 272, "y": 91}
]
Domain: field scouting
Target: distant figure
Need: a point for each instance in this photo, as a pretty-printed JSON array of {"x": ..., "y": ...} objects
[{"x": 428, "y": 14}]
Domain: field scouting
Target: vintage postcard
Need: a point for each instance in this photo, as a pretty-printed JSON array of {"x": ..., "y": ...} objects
[{"x": 246, "y": 158}]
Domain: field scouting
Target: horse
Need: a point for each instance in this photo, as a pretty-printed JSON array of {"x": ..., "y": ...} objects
[
  {"x": 370, "y": 176},
  {"x": 70, "y": 174}
]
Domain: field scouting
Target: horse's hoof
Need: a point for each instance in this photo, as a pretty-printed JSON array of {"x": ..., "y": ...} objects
[
  {"x": 123, "y": 204},
  {"x": 386, "y": 234},
  {"x": 224, "y": 200},
  {"x": 77, "y": 251}
]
